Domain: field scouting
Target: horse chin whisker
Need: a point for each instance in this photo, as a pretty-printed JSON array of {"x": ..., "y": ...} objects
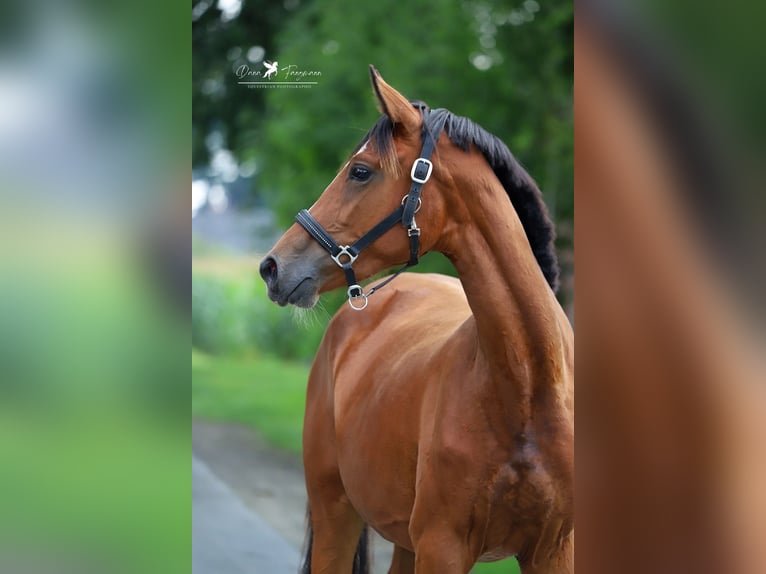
[
  {"x": 306, "y": 317},
  {"x": 319, "y": 308}
]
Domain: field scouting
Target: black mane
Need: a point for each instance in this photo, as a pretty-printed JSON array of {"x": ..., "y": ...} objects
[{"x": 524, "y": 194}]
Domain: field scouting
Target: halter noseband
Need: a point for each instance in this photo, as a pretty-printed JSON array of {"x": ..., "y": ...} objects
[{"x": 345, "y": 255}]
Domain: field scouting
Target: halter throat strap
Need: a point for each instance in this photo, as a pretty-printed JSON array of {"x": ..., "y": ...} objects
[{"x": 345, "y": 255}]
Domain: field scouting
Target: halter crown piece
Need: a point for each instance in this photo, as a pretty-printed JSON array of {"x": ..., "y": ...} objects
[{"x": 345, "y": 255}]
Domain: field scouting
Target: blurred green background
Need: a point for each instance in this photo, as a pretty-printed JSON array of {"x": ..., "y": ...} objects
[
  {"x": 94, "y": 392},
  {"x": 260, "y": 155}
]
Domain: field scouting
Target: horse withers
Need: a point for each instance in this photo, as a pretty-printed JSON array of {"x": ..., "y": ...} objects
[{"x": 439, "y": 412}]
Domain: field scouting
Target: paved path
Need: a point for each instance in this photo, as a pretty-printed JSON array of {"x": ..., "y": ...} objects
[{"x": 227, "y": 538}]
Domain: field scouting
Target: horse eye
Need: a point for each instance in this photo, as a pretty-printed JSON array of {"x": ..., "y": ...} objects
[{"x": 359, "y": 173}]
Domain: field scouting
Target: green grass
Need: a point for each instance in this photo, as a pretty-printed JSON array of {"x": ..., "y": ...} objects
[
  {"x": 509, "y": 566},
  {"x": 269, "y": 395},
  {"x": 264, "y": 393}
]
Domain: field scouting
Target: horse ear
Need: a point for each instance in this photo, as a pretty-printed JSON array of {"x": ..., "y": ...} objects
[{"x": 394, "y": 104}]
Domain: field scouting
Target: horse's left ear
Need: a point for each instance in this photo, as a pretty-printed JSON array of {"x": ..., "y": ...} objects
[{"x": 395, "y": 105}]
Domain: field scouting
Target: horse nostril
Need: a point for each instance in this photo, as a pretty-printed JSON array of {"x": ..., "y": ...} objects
[{"x": 269, "y": 270}]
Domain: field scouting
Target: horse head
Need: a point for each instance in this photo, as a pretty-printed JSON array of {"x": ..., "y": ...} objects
[{"x": 377, "y": 181}]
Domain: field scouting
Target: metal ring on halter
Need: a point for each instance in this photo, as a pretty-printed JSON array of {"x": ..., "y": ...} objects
[
  {"x": 344, "y": 250},
  {"x": 419, "y": 205},
  {"x": 362, "y": 295}
]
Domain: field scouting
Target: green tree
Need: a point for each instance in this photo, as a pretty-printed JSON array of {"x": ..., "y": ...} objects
[{"x": 221, "y": 42}]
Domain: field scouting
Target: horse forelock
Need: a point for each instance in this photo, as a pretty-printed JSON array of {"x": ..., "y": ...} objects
[{"x": 381, "y": 136}]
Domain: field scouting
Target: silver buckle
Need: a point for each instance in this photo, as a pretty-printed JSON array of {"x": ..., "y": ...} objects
[
  {"x": 416, "y": 165},
  {"x": 344, "y": 250}
]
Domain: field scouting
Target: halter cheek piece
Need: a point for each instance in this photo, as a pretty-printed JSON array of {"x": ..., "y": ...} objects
[{"x": 345, "y": 255}]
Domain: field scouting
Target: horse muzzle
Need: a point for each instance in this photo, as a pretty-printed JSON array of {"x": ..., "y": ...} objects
[{"x": 295, "y": 285}]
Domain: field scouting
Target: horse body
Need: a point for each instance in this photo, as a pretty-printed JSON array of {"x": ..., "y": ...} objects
[
  {"x": 445, "y": 432},
  {"x": 441, "y": 415},
  {"x": 474, "y": 415},
  {"x": 364, "y": 391}
]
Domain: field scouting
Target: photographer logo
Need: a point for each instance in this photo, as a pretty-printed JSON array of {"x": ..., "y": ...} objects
[{"x": 272, "y": 75}]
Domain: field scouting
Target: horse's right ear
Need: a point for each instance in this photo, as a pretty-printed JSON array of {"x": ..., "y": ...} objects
[{"x": 394, "y": 104}]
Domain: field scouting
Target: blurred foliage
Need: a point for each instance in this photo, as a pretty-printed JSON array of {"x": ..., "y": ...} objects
[
  {"x": 232, "y": 315},
  {"x": 220, "y": 44},
  {"x": 93, "y": 412},
  {"x": 94, "y": 391},
  {"x": 509, "y": 68}
]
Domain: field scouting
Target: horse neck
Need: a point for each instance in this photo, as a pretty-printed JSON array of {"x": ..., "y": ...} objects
[{"x": 516, "y": 314}]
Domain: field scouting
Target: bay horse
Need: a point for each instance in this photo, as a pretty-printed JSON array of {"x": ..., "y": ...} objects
[{"x": 442, "y": 413}]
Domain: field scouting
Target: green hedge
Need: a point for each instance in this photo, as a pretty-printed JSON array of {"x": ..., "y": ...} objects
[{"x": 233, "y": 315}]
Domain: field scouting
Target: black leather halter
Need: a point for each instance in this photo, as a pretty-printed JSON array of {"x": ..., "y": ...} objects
[{"x": 345, "y": 255}]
